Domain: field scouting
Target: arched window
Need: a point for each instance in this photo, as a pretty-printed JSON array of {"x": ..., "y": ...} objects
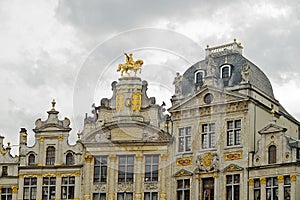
[
  {"x": 199, "y": 75},
  {"x": 225, "y": 71},
  {"x": 31, "y": 159},
  {"x": 272, "y": 154},
  {"x": 69, "y": 159},
  {"x": 50, "y": 156}
]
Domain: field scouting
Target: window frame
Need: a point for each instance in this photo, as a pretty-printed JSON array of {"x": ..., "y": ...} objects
[
  {"x": 185, "y": 139},
  {"x": 152, "y": 175},
  {"x": 100, "y": 166},
  {"x": 4, "y": 170},
  {"x": 124, "y": 195},
  {"x": 48, "y": 187},
  {"x": 233, "y": 133},
  {"x": 272, "y": 187},
  {"x": 196, "y": 80},
  {"x": 222, "y": 69},
  {"x": 183, "y": 190},
  {"x": 257, "y": 188},
  {"x": 50, "y": 155},
  {"x": 272, "y": 154},
  {"x": 100, "y": 195},
  {"x": 287, "y": 186},
  {"x": 127, "y": 169},
  {"x": 233, "y": 186},
  {"x": 70, "y": 158},
  {"x": 31, "y": 159},
  {"x": 32, "y": 188},
  {"x": 208, "y": 136},
  {"x": 67, "y": 186},
  {"x": 6, "y": 193},
  {"x": 152, "y": 195}
]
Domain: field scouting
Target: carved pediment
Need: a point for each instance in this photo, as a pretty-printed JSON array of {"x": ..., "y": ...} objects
[
  {"x": 198, "y": 99},
  {"x": 232, "y": 167},
  {"x": 272, "y": 128},
  {"x": 183, "y": 172}
]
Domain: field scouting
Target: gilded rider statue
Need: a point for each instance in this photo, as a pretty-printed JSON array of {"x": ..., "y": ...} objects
[{"x": 130, "y": 65}]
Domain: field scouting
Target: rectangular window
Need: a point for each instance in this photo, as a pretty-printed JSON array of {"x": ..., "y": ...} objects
[
  {"x": 185, "y": 139},
  {"x": 4, "y": 170},
  {"x": 233, "y": 187},
  {"x": 99, "y": 196},
  {"x": 208, "y": 136},
  {"x": 100, "y": 169},
  {"x": 49, "y": 184},
  {"x": 151, "y": 168},
  {"x": 150, "y": 196},
  {"x": 272, "y": 188},
  {"x": 183, "y": 189},
  {"x": 287, "y": 188},
  {"x": 67, "y": 187},
  {"x": 125, "y": 196},
  {"x": 29, "y": 190},
  {"x": 256, "y": 189},
  {"x": 234, "y": 132},
  {"x": 126, "y": 169},
  {"x": 6, "y": 194}
]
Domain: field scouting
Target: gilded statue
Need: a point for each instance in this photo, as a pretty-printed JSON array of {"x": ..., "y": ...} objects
[{"x": 130, "y": 65}]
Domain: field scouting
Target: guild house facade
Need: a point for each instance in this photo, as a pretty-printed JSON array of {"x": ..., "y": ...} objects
[{"x": 224, "y": 137}]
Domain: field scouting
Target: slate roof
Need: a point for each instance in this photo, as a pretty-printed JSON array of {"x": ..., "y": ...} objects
[{"x": 236, "y": 60}]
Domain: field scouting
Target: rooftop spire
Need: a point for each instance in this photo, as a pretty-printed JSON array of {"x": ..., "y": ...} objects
[{"x": 53, "y": 104}]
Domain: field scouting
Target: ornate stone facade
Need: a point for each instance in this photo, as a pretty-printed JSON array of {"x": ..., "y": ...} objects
[{"x": 226, "y": 137}]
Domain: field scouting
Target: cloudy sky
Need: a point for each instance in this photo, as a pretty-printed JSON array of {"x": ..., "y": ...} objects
[{"x": 69, "y": 50}]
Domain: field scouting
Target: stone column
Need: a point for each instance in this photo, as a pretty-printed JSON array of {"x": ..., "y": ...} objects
[
  {"x": 197, "y": 181},
  {"x": 59, "y": 154},
  {"x": 21, "y": 184},
  {"x": 42, "y": 152},
  {"x": 111, "y": 176},
  {"x": 58, "y": 186},
  {"x": 216, "y": 185},
  {"x": 163, "y": 176},
  {"x": 138, "y": 176},
  {"x": 88, "y": 177},
  {"x": 294, "y": 193},
  {"x": 251, "y": 188},
  {"x": 262, "y": 188},
  {"x": 280, "y": 186},
  {"x": 77, "y": 185},
  {"x": 14, "y": 190},
  {"x": 39, "y": 187}
]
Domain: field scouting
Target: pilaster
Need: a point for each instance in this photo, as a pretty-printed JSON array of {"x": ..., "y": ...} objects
[{"x": 111, "y": 176}]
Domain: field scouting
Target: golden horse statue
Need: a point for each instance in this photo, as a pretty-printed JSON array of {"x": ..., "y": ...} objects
[{"x": 130, "y": 65}]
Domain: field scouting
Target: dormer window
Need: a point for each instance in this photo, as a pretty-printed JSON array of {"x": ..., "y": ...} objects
[
  {"x": 225, "y": 71},
  {"x": 199, "y": 75}
]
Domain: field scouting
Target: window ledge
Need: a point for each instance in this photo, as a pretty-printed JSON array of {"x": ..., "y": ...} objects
[
  {"x": 208, "y": 149},
  {"x": 184, "y": 153},
  {"x": 233, "y": 147}
]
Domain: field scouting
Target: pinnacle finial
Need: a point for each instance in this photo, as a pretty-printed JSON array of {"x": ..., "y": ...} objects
[{"x": 53, "y": 104}]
